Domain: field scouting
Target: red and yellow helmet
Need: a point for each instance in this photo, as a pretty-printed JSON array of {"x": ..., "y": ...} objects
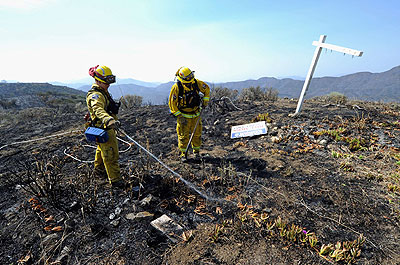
[
  {"x": 185, "y": 75},
  {"x": 102, "y": 74}
]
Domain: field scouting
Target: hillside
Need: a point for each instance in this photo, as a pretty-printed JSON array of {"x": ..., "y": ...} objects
[
  {"x": 383, "y": 86},
  {"x": 28, "y": 95},
  {"x": 320, "y": 188}
]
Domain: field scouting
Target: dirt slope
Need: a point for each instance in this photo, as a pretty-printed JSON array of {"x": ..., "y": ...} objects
[{"x": 332, "y": 172}]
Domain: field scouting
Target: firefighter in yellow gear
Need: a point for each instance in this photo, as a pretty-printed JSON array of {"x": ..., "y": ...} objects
[
  {"x": 103, "y": 112},
  {"x": 185, "y": 103}
]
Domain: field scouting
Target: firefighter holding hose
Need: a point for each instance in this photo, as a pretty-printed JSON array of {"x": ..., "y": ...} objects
[
  {"x": 185, "y": 103},
  {"x": 103, "y": 112}
]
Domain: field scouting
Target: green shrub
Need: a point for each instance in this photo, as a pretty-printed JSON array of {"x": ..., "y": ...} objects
[
  {"x": 271, "y": 94},
  {"x": 131, "y": 101},
  {"x": 336, "y": 98},
  {"x": 252, "y": 94},
  {"x": 220, "y": 92},
  {"x": 262, "y": 117},
  {"x": 258, "y": 94}
]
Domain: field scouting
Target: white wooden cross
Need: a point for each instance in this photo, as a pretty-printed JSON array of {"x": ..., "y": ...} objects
[{"x": 320, "y": 44}]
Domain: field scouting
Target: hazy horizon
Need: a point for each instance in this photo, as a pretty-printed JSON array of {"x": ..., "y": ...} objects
[{"x": 88, "y": 80}]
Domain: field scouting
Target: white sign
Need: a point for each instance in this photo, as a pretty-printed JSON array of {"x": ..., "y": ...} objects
[{"x": 250, "y": 129}]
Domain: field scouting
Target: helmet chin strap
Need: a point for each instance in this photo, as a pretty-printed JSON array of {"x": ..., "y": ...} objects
[{"x": 102, "y": 85}]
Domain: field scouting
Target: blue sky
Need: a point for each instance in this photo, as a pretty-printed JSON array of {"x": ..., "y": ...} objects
[{"x": 148, "y": 40}]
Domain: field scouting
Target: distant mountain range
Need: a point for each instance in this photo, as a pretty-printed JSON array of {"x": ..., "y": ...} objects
[
  {"x": 151, "y": 95},
  {"x": 367, "y": 86},
  {"x": 120, "y": 81}
]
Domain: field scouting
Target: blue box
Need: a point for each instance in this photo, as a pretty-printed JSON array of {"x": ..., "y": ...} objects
[{"x": 97, "y": 135}]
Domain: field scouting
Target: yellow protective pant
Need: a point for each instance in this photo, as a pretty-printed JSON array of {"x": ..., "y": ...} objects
[
  {"x": 184, "y": 128},
  {"x": 107, "y": 157}
]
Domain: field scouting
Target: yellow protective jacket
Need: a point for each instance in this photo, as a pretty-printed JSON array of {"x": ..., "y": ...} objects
[
  {"x": 98, "y": 104},
  {"x": 175, "y": 101}
]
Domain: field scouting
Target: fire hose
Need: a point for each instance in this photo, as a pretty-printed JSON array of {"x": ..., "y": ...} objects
[{"x": 187, "y": 183}]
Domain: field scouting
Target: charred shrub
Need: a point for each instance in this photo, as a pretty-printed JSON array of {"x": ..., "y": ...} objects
[
  {"x": 222, "y": 100},
  {"x": 27, "y": 115},
  {"x": 40, "y": 176},
  {"x": 8, "y": 104},
  {"x": 85, "y": 187}
]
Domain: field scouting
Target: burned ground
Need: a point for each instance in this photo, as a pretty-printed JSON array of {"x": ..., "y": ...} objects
[{"x": 326, "y": 176}]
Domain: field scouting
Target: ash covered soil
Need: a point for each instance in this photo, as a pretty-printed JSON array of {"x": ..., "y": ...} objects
[{"x": 332, "y": 172}]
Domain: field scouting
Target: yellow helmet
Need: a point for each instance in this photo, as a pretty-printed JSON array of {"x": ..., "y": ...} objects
[
  {"x": 185, "y": 75},
  {"x": 102, "y": 74}
]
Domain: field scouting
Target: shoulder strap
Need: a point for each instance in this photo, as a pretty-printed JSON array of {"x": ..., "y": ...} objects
[
  {"x": 196, "y": 86},
  {"x": 180, "y": 92}
]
